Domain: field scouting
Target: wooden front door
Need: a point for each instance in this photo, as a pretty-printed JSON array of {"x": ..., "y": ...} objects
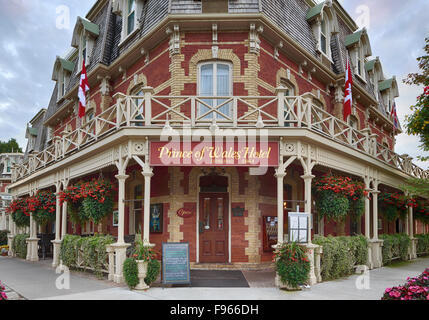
[{"x": 213, "y": 228}]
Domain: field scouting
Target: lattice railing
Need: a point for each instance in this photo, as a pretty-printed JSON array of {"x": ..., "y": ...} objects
[{"x": 278, "y": 111}]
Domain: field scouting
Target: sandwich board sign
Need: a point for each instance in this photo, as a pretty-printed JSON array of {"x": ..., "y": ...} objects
[{"x": 176, "y": 268}]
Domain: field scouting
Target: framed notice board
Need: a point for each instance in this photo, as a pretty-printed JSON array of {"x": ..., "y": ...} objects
[{"x": 176, "y": 268}]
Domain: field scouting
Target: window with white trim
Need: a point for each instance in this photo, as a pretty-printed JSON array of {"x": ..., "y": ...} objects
[
  {"x": 290, "y": 91},
  {"x": 324, "y": 36},
  {"x": 215, "y": 80},
  {"x": 131, "y": 16}
]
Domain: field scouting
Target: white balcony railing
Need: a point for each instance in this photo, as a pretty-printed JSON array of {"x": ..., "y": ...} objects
[{"x": 278, "y": 111}]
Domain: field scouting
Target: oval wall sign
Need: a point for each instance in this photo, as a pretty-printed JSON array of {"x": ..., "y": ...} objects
[{"x": 184, "y": 213}]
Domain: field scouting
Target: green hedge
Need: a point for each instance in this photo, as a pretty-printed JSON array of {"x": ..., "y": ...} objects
[
  {"x": 422, "y": 243},
  {"x": 94, "y": 254},
  {"x": 3, "y": 237},
  {"x": 341, "y": 254},
  {"x": 19, "y": 245},
  {"x": 395, "y": 246}
]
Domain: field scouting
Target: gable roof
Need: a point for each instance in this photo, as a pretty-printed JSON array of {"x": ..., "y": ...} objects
[{"x": 88, "y": 26}]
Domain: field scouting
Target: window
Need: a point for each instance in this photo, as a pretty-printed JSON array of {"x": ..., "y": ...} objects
[
  {"x": 137, "y": 109},
  {"x": 83, "y": 51},
  {"x": 214, "y": 6},
  {"x": 138, "y": 207},
  {"x": 317, "y": 115},
  {"x": 323, "y": 37},
  {"x": 8, "y": 166},
  {"x": 290, "y": 91},
  {"x": 131, "y": 16},
  {"x": 215, "y": 80}
]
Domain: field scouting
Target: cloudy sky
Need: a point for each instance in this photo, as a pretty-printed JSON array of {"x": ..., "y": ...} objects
[{"x": 30, "y": 40}]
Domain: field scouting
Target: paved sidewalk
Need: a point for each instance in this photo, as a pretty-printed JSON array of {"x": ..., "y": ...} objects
[{"x": 37, "y": 281}]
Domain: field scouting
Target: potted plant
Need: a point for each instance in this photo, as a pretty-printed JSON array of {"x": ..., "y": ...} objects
[
  {"x": 143, "y": 255},
  {"x": 4, "y": 250},
  {"x": 292, "y": 266}
]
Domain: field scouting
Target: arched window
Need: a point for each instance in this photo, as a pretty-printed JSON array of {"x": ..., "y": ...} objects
[
  {"x": 318, "y": 114},
  {"x": 353, "y": 122},
  {"x": 324, "y": 36},
  {"x": 215, "y": 80},
  {"x": 137, "y": 107},
  {"x": 290, "y": 91}
]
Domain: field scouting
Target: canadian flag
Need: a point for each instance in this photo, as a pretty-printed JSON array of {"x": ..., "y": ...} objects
[
  {"x": 348, "y": 97},
  {"x": 394, "y": 116},
  {"x": 83, "y": 89}
]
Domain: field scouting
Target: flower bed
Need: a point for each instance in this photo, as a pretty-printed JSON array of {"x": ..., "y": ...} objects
[
  {"x": 19, "y": 245},
  {"x": 87, "y": 253},
  {"x": 415, "y": 289},
  {"x": 4, "y": 250},
  {"x": 422, "y": 244},
  {"x": 292, "y": 265},
  {"x": 3, "y": 295},
  {"x": 341, "y": 254},
  {"x": 395, "y": 247}
]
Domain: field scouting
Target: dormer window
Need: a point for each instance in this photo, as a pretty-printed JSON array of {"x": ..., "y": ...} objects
[
  {"x": 84, "y": 36},
  {"x": 62, "y": 71},
  {"x": 324, "y": 24},
  {"x": 389, "y": 91},
  {"x": 131, "y": 18},
  {"x": 323, "y": 37},
  {"x": 359, "y": 48},
  {"x": 131, "y": 11}
]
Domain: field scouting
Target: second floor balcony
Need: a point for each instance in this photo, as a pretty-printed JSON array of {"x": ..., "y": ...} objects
[{"x": 278, "y": 114}]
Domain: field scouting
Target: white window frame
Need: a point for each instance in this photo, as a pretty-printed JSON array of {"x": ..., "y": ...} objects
[
  {"x": 128, "y": 14},
  {"x": 327, "y": 37},
  {"x": 231, "y": 85},
  {"x": 123, "y": 11}
]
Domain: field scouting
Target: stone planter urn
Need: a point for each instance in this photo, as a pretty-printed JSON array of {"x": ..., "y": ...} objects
[{"x": 142, "y": 268}]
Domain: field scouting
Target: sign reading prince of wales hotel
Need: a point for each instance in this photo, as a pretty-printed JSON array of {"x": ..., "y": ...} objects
[{"x": 220, "y": 154}]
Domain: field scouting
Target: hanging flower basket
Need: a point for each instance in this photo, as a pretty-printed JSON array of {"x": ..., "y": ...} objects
[
  {"x": 46, "y": 207},
  {"x": 393, "y": 205},
  {"x": 19, "y": 212},
  {"x": 337, "y": 196},
  {"x": 87, "y": 201},
  {"x": 421, "y": 211}
]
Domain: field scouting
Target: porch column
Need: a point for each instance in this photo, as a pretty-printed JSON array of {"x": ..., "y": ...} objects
[
  {"x": 368, "y": 224},
  {"x": 120, "y": 246},
  {"x": 148, "y": 174},
  {"x": 280, "y": 205},
  {"x": 11, "y": 235},
  {"x": 375, "y": 214},
  {"x": 57, "y": 242},
  {"x": 32, "y": 242},
  {"x": 64, "y": 221},
  {"x": 375, "y": 243},
  {"x": 413, "y": 248}
]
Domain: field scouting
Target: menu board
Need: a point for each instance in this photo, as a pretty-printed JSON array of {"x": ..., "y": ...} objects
[{"x": 175, "y": 263}]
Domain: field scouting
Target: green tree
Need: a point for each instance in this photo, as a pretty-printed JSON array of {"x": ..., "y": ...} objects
[
  {"x": 418, "y": 123},
  {"x": 10, "y": 146}
]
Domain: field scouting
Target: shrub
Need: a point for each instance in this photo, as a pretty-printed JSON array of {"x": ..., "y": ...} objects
[
  {"x": 153, "y": 270},
  {"x": 92, "y": 251},
  {"x": 341, "y": 254},
  {"x": 19, "y": 245},
  {"x": 395, "y": 246},
  {"x": 131, "y": 273},
  {"x": 415, "y": 289},
  {"x": 3, "y": 237},
  {"x": 292, "y": 264},
  {"x": 422, "y": 243}
]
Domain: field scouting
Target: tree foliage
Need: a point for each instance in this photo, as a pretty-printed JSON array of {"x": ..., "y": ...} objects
[
  {"x": 418, "y": 123},
  {"x": 10, "y": 146}
]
